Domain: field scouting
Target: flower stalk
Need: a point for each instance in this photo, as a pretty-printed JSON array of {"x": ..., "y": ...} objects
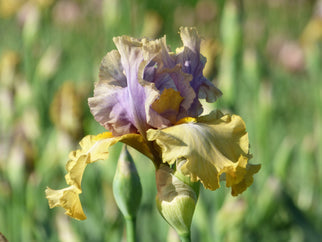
[
  {"x": 185, "y": 238},
  {"x": 130, "y": 229}
]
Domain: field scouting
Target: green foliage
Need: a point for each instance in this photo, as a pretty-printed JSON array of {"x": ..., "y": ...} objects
[{"x": 273, "y": 66}]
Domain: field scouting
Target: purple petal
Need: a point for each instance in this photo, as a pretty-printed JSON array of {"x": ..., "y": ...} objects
[
  {"x": 134, "y": 77},
  {"x": 165, "y": 73},
  {"x": 122, "y": 99},
  {"x": 193, "y": 63}
]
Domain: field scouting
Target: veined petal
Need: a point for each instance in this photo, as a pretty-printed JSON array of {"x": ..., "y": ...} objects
[
  {"x": 213, "y": 145},
  {"x": 93, "y": 148}
]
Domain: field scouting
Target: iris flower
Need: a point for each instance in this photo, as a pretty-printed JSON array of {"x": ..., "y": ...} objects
[{"x": 148, "y": 97}]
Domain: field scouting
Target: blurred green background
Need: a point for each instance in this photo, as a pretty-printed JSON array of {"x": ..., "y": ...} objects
[{"x": 266, "y": 57}]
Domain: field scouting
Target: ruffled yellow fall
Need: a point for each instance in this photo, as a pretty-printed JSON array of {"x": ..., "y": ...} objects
[
  {"x": 212, "y": 145},
  {"x": 215, "y": 148}
]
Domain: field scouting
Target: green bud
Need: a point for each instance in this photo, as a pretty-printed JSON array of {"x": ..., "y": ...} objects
[
  {"x": 176, "y": 199},
  {"x": 127, "y": 187}
]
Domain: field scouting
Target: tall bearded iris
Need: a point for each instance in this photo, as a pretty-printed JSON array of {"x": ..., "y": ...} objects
[{"x": 148, "y": 97}]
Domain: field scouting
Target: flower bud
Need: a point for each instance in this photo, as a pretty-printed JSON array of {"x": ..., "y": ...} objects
[
  {"x": 127, "y": 187},
  {"x": 176, "y": 199}
]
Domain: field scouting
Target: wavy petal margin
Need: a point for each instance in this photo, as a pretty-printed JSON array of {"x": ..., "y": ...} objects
[
  {"x": 133, "y": 77},
  {"x": 93, "y": 148},
  {"x": 192, "y": 62},
  {"x": 213, "y": 145},
  {"x": 118, "y": 91}
]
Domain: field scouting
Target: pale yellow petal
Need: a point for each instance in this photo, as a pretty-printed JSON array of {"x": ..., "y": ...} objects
[{"x": 212, "y": 145}]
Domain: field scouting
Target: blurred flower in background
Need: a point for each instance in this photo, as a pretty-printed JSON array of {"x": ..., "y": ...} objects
[
  {"x": 67, "y": 13},
  {"x": 152, "y": 25},
  {"x": 65, "y": 110},
  {"x": 287, "y": 53},
  {"x": 312, "y": 32},
  {"x": 9, "y": 8}
]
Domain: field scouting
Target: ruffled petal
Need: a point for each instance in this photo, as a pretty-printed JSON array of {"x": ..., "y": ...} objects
[
  {"x": 177, "y": 80},
  {"x": 240, "y": 176},
  {"x": 111, "y": 69},
  {"x": 93, "y": 148},
  {"x": 122, "y": 99},
  {"x": 212, "y": 145},
  {"x": 193, "y": 63},
  {"x": 165, "y": 74},
  {"x": 134, "y": 76}
]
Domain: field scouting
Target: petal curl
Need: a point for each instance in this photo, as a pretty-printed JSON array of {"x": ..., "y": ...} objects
[
  {"x": 93, "y": 148},
  {"x": 212, "y": 145},
  {"x": 67, "y": 198},
  {"x": 168, "y": 104}
]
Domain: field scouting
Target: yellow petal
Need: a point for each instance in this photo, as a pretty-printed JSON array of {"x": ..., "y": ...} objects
[
  {"x": 67, "y": 198},
  {"x": 137, "y": 142},
  {"x": 213, "y": 145},
  {"x": 93, "y": 148},
  {"x": 75, "y": 169},
  {"x": 246, "y": 181},
  {"x": 168, "y": 104}
]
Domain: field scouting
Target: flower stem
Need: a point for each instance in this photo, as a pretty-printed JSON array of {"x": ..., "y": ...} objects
[
  {"x": 185, "y": 237},
  {"x": 130, "y": 229}
]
